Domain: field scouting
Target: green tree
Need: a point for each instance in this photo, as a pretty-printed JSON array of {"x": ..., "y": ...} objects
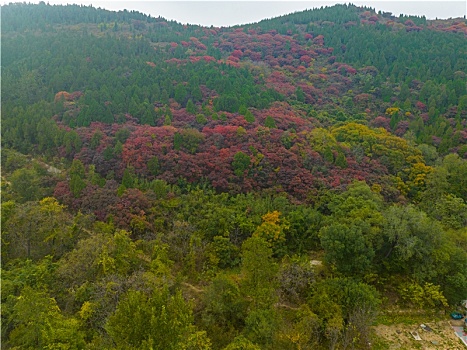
[
  {"x": 180, "y": 93},
  {"x": 148, "y": 116},
  {"x": 242, "y": 343},
  {"x": 188, "y": 139},
  {"x": 197, "y": 341},
  {"x": 84, "y": 263},
  {"x": 347, "y": 249},
  {"x": 77, "y": 177},
  {"x": 341, "y": 161},
  {"x": 240, "y": 163},
  {"x": 269, "y": 122},
  {"x": 259, "y": 272},
  {"x": 39, "y": 324},
  {"x": 154, "y": 166},
  {"x": 25, "y": 184},
  {"x": 95, "y": 139},
  {"x": 190, "y": 107},
  {"x": 118, "y": 254},
  {"x": 300, "y": 94},
  {"x": 451, "y": 211},
  {"x": 427, "y": 296},
  {"x": 457, "y": 175},
  {"x": 122, "y": 135},
  {"x": 304, "y": 332},
  {"x": 410, "y": 241},
  {"x": 303, "y": 233},
  {"x": 223, "y": 253},
  {"x": 249, "y": 117},
  {"x": 328, "y": 155},
  {"x": 348, "y": 308},
  {"x": 128, "y": 179},
  {"x": 158, "y": 321},
  {"x": 34, "y": 230},
  {"x": 242, "y": 110},
  {"x": 201, "y": 119},
  {"x": 118, "y": 149},
  {"x": 224, "y": 310},
  {"x": 352, "y": 234},
  {"x": 261, "y": 326}
]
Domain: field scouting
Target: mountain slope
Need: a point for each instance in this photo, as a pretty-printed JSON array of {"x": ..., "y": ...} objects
[{"x": 273, "y": 185}]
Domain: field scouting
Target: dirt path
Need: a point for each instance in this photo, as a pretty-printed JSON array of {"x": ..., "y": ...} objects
[
  {"x": 51, "y": 169},
  {"x": 193, "y": 288}
]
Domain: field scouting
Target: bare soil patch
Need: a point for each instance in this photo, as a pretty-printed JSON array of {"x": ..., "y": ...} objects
[{"x": 397, "y": 336}]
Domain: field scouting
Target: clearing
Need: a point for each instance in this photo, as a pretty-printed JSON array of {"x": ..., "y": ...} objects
[{"x": 398, "y": 335}]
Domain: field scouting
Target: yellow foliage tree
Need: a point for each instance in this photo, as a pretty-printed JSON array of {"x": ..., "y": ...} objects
[
  {"x": 272, "y": 230},
  {"x": 392, "y": 110}
]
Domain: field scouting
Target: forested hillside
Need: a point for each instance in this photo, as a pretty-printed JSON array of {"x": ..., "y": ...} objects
[{"x": 276, "y": 185}]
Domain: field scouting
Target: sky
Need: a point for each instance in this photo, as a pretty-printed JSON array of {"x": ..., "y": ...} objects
[{"x": 229, "y": 13}]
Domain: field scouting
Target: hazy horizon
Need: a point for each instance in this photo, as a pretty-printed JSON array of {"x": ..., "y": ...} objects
[{"x": 230, "y": 13}]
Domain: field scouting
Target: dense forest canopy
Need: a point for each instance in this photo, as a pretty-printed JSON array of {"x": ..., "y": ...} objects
[{"x": 276, "y": 185}]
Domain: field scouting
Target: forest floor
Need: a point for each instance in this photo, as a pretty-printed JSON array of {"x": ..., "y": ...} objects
[{"x": 398, "y": 335}]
